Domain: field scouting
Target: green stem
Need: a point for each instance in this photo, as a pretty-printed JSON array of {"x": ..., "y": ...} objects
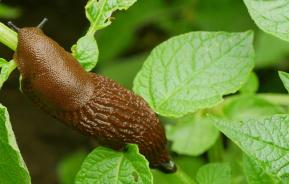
[
  {"x": 8, "y": 37},
  {"x": 184, "y": 177},
  {"x": 276, "y": 98}
]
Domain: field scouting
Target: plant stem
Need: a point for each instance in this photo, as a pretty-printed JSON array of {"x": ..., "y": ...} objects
[
  {"x": 184, "y": 177},
  {"x": 8, "y": 37},
  {"x": 276, "y": 98},
  {"x": 215, "y": 154}
]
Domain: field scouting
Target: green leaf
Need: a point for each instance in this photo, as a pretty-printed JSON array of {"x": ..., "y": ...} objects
[
  {"x": 192, "y": 135},
  {"x": 193, "y": 71},
  {"x": 3, "y": 62},
  {"x": 12, "y": 167},
  {"x": 250, "y": 106},
  {"x": 252, "y": 84},
  {"x": 6, "y": 69},
  {"x": 263, "y": 139},
  {"x": 255, "y": 174},
  {"x": 99, "y": 12},
  {"x": 285, "y": 79},
  {"x": 214, "y": 173},
  {"x": 271, "y": 16},
  {"x": 86, "y": 52},
  {"x": 104, "y": 165},
  {"x": 69, "y": 166}
]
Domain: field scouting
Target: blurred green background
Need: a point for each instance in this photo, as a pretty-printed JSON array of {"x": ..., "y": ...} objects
[{"x": 123, "y": 46}]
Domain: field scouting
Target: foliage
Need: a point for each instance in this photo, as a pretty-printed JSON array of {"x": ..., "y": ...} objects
[
  {"x": 200, "y": 83},
  {"x": 104, "y": 165},
  {"x": 176, "y": 78},
  {"x": 12, "y": 167}
]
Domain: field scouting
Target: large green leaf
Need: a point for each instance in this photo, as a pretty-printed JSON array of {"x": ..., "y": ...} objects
[
  {"x": 193, "y": 71},
  {"x": 255, "y": 174},
  {"x": 263, "y": 139},
  {"x": 271, "y": 16},
  {"x": 214, "y": 173},
  {"x": 192, "y": 135},
  {"x": 12, "y": 167},
  {"x": 104, "y": 165},
  {"x": 285, "y": 79}
]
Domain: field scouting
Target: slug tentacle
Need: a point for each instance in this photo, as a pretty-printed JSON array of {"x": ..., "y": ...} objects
[{"x": 93, "y": 104}]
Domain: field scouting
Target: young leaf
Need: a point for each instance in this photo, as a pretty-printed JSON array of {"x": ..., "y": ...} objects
[
  {"x": 86, "y": 51},
  {"x": 192, "y": 135},
  {"x": 104, "y": 165},
  {"x": 285, "y": 79},
  {"x": 255, "y": 174},
  {"x": 263, "y": 139},
  {"x": 271, "y": 16},
  {"x": 251, "y": 86},
  {"x": 12, "y": 167},
  {"x": 214, "y": 173},
  {"x": 193, "y": 71},
  {"x": 99, "y": 12}
]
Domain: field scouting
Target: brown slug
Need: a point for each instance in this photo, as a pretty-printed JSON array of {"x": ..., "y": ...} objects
[{"x": 93, "y": 104}]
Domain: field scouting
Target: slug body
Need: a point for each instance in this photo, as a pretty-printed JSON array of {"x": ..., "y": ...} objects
[{"x": 95, "y": 105}]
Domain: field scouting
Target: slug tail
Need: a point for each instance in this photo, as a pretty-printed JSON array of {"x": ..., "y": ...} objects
[{"x": 168, "y": 167}]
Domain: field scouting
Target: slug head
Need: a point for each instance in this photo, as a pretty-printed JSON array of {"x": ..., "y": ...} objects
[{"x": 53, "y": 75}]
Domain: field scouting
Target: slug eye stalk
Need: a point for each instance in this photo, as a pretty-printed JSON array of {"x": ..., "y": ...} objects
[{"x": 16, "y": 28}]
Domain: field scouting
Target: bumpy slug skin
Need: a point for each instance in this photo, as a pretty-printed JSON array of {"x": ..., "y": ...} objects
[{"x": 93, "y": 104}]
